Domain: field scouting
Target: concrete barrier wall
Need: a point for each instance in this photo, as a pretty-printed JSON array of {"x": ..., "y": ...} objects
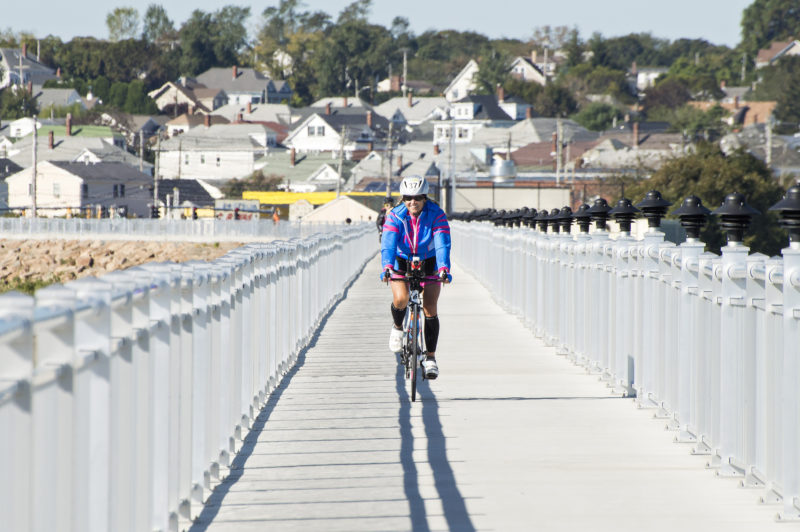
[{"x": 124, "y": 398}]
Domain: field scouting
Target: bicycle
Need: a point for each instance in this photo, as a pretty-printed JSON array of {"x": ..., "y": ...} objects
[{"x": 414, "y": 351}]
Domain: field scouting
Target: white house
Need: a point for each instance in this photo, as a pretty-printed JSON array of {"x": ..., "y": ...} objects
[
  {"x": 244, "y": 85},
  {"x": 414, "y": 111},
  {"x": 19, "y": 68},
  {"x": 471, "y": 114},
  {"x": 217, "y": 152},
  {"x": 340, "y": 210},
  {"x": 322, "y": 132},
  {"x": 62, "y": 185},
  {"x": 777, "y": 50},
  {"x": 22, "y": 127},
  {"x": 463, "y": 84},
  {"x": 526, "y": 69}
]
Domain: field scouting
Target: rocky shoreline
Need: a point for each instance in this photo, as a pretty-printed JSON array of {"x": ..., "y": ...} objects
[{"x": 40, "y": 262}]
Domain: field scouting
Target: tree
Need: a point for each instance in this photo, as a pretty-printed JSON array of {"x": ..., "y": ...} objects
[
  {"x": 156, "y": 24},
  {"x": 597, "y": 116},
  {"x": 781, "y": 83},
  {"x": 554, "y": 101},
  {"x": 668, "y": 94},
  {"x": 122, "y": 23},
  {"x": 230, "y": 33},
  {"x": 15, "y": 102},
  {"x": 357, "y": 11},
  {"x": 585, "y": 79},
  {"x": 494, "y": 71},
  {"x": 765, "y": 21},
  {"x": 711, "y": 175},
  {"x": 209, "y": 40}
]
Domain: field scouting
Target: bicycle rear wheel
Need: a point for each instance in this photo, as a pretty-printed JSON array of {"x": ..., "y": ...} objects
[{"x": 414, "y": 358}]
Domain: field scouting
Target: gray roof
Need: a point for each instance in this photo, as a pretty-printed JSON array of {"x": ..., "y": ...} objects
[
  {"x": 32, "y": 70},
  {"x": 487, "y": 107},
  {"x": 278, "y": 163},
  {"x": 57, "y": 97},
  {"x": 420, "y": 109},
  {"x": 247, "y": 80},
  {"x": 67, "y": 149},
  {"x": 8, "y": 167},
  {"x": 188, "y": 190},
  {"x": 223, "y": 137},
  {"x": 529, "y": 131},
  {"x": 105, "y": 172},
  {"x": 259, "y": 112}
]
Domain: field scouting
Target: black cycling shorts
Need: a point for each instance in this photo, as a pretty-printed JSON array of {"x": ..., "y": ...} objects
[{"x": 428, "y": 266}]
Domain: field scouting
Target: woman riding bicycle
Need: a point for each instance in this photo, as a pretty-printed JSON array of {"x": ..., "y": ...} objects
[{"x": 416, "y": 228}]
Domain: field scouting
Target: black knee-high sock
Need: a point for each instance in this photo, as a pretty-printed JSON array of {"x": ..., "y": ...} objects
[
  {"x": 398, "y": 315},
  {"x": 431, "y": 333}
]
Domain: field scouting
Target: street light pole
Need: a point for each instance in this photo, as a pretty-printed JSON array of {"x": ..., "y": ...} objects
[{"x": 35, "y": 142}]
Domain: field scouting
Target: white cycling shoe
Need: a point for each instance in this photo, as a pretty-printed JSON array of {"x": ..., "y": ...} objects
[
  {"x": 396, "y": 340},
  {"x": 430, "y": 368}
]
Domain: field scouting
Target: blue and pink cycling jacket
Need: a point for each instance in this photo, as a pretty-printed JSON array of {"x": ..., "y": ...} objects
[{"x": 425, "y": 236}]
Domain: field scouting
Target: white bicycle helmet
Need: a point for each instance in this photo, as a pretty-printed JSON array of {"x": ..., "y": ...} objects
[{"x": 413, "y": 185}]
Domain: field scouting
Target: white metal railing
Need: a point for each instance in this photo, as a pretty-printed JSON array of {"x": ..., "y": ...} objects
[
  {"x": 710, "y": 341},
  {"x": 201, "y": 230},
  {"x": 124, "y": 398}
]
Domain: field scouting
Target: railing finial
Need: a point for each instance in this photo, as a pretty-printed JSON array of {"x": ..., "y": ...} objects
[
  {"x": 654, "y": 208},
  {"x": 789, "y": 210},
  {"x": 735, "y": 215},
  {"x": 693, "y": 215},
  {"x": 624, "y": 214}
]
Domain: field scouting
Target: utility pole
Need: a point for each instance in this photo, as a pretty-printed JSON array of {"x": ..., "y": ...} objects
[
  {"x": 35, "y": 142},
  {"x": 389, "y": 174},
  {"x": 341, "y": 161},
  {"x": 405, "y": 71},
  {"x": 769, "y": 123},
  {"x": 155, "y": 177},
  {"x": 141, "y": 150},
  {"x": 744, "y": 65},
  {"x": 559, "y": 142}
]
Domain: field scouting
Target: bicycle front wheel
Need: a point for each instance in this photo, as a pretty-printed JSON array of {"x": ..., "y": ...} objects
[{"x": 414, "y": 352}]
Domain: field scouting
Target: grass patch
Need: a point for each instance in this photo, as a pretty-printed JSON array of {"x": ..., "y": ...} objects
[{"x": 26, "y": 286}]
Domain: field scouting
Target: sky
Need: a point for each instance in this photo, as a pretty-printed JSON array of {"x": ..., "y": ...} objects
[{"x": 715, "y": 21}]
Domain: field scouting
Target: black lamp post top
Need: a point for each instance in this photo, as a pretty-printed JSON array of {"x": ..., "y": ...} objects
[
  {"x": 653, "y": 207},
  {"x": 583, "y": 218},
  {"x": 565, "y": 219},
  {"x": 599, "y": 212},
  {"x": 693, "y": 215},
  {"x": 735, "y": 215},
  {"x": 789, "y": 210},
  {"x": 624, "y": 213}
]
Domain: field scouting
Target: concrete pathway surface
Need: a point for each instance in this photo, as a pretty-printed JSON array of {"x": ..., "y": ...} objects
[{"x": 510, "y": 437}]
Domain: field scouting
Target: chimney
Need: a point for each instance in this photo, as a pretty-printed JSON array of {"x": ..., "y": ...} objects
[
  {"x": 249, "y": 107},
  {"x": 410, "y": 100},
  {"x": 50, "y": 143},
  {"x": 533, "y": 56},
  {"x": 501, "y": 94},
  {"x": 328, "y": 108},
  {"x": 370, "y": 146},
  {"x": 24, "y": 50},
  {"x": 634, "y": 69},
  {"x": 400, "y": 161},
  {"x": 369, "y": 118},
  {"x": 344, "y": 102},
  {"x": 69, "y": 124},
  {"x": 735, "y": 102},
  {"x": 235, "y": 72},
  {"x": 636, "y": 134},
  {"x": 292, "y": 156},
  {"x": 207, "y": 121},
  {"x": 239, "y": 118},
  {"x": 30, "y": 88},
  {"x": 529, "y": 112},
  {"x": 436, "y": 149},
  {"x": 58, "y": 72}
]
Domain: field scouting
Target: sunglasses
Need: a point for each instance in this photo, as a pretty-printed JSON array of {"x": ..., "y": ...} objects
[{"x": 416, "y": 198}]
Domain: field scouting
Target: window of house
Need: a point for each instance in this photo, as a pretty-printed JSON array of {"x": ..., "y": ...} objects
[
  {"x": 186, "y": 159},
  {"x": 218, "y": 160},
  {"x": 30, "y": 189},
  {"x": 122, "y": 191},
  {"x": 312, "y": 131},
  {"x": 84, "y": 191},
  {"x": 320, "y": 131},
  {"x": 463, "y": 132},
  {"x": 57, "y": 190},
  {"x": 202, "y": 158},
  {"x": 115, "y": 191}
]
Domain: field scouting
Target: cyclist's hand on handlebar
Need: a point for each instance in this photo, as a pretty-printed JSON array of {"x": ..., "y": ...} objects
[
  {"x": 386, "y": 275},
  {"x": 444, "y": 276}
]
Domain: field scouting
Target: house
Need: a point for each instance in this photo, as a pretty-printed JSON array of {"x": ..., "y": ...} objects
[
  {"x": 65, "y": 186},
  {"x": 279, "y": 113},
  {"x": 216, "y": 152},
  {"x": 22, "y": 127},
  {"x": 470, "y": 114},
  {"x": 244, "y": 85},
  {"x": 641, "y": 79},
  {"x": 188, "y": 96},
  {"x": 304, "y": 172},
  {"x": 340, "y": 102},
  {"x": 394, "y": 84},
  {"x": 322, "y": 132},
  {"x": 776, "y": 50},
  {"x": 463, "y": 84},
  {"x": 185, "y": 193},
  {"x": 106, "y": 153},
  {"x": 741, "y": 113},
  {"x": 340, "y": 210},
  {"x": 412, "y": 158},
  {"x": 50, "y": 99},
  {"x": 65, "y": 143},
  {"x": 8, "y": 167},
  {"x": 526, "y": 69},
  {"x": 413, "y": 111},
  {"x": 18, "y": 68},
  {"x": 187, "y": 122}
]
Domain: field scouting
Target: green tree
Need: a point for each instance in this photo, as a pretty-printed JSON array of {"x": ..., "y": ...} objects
[
  {"x": 781, "y": 83},
  {"x": 597, "y": 116},
  {"x": 122, "y": 23},
  {"x": 765, "y": 21},
  {"x": 585, "y": 79},
  {"x": 209, "y": 40},
  {"x": 137, "y": 101},
  {"x": 554, "y": 101},
  {"x": 357, "y": 11},
  {"x": 117, "y": 95},
  {"x": 711, "y": 175},
  {"x": 494, "y": 70},
  {"x": 667, "y": 94},
  {"x": 157, "y": 26},
  {"x": 16, "y": 103}
]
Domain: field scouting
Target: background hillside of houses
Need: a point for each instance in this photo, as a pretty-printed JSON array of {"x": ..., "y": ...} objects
[{"x": 313, "y": 103}]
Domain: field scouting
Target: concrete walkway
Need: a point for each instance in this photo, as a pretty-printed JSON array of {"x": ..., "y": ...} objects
[{"x": 510, "y": 437}]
